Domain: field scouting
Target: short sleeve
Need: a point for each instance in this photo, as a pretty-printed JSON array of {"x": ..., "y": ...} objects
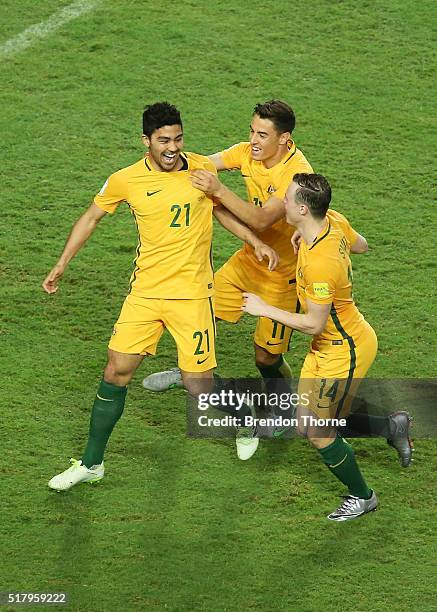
[
  {"x": 113, "y": 192},
  {"x": 348, "y": 230},
  {"x": 351, "y": 234},
  {"x": 321, "y": 282},
  {"x": 234, "y": 156}
]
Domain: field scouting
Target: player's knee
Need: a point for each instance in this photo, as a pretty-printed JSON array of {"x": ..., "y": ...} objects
[
  {"x": 198, "y": 386},
  {"x": 320, "y": 439},
  {"x": 263, "y": 358},
  {"x": 313, "y": 440},
  {"x": 116, "y": 375}
]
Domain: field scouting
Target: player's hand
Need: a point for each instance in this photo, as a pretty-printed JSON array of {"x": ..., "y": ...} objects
[
  {"x": 264, "y": 250},
  {"x": 50, "y": 284},
  {"x": 205, "y": 181},
  {"x": 254, "y": 305},
  {"x": 295, "y": 241}
]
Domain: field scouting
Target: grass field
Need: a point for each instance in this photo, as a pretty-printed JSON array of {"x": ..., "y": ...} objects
[{"x": 179, "y": 524}]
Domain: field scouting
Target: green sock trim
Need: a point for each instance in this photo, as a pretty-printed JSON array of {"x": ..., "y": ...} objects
[
  {"x": 107, "y": 409},
  {"x": 339, "y": 457},
  {"x": 110, "y": 391},
  {"x": 330, "y": 454}
]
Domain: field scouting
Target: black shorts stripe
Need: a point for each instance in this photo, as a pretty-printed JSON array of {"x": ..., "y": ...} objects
[{"x": 352, "y": 354}]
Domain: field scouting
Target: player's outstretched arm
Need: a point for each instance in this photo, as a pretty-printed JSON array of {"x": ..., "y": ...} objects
[
  {"x": 236, "y": 227},
  {"x": 313, "y": 322},
  {"x": 258, "y": 218},
  {"x": 218, "y": 162},
  {"x": 360, "y": 245},
  {"x": 80, "y": 232}
]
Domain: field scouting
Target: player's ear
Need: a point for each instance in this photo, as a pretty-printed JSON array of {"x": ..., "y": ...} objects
[
  {"x": 284, "y": 138},
  {"x": 146, "y": 140}
]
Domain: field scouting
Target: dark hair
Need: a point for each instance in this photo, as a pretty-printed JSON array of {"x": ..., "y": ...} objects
[
  {"x": 314, "y": 191},
  {"x": 279, "y": 113},
  {"x": 159, "y": 114}
]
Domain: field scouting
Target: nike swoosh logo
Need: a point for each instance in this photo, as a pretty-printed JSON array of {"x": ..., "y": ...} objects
[
  {"x": 150, "y": 193},
  {"x": 202, "y": 361},
  {"x": 103, "y": 398},
  {"x": 274, "y": 343}
]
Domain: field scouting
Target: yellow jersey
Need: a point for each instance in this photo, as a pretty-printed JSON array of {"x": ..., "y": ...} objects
[
  {"x": 261, "y": 183},
  {"x": 324, "y": 275},
  {"x": 174, "y": 223}
]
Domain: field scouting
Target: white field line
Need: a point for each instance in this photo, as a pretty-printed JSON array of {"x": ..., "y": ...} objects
[{"x": 40, "y": 30}]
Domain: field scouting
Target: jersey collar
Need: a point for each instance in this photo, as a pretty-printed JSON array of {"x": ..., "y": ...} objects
[
  {"x": 183, "y": 158},
  {"x": 291, "y": 151},
  {"x": 322, "y": 235}
]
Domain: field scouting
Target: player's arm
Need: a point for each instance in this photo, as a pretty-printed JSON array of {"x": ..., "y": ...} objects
[
  {"x": 360, "y": 245},
  {"x": 80, "y": 232},
  {"x": 218, "y": 161},
  {"x": 238, "y": 229},
  {"x": 258, "y": 218},
  {"x": 313, "y": 322}
]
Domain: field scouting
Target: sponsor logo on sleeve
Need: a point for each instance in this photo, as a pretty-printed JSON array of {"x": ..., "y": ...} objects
[{"x": 321, "y": 290}]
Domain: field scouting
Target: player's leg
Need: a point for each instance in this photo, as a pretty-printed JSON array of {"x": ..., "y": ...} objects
[
  {"x": 135, "y": 334},
  {"x": 109, "y": 404},
  {"x": 335, "y": 452},
  {"x": 339, "y": 457},
  {"x": 329, "y": 379},
  {"x": 192, "y": 325},
  {"x": 272, "y": 340},
  {"x": 273, "y": 367},
  {"x": 394, "y": 427}
]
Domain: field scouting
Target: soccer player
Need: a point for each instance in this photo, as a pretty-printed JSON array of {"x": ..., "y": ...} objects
[
  {"x": 344, "y": 345},
  {"x": 172, "y": 283},
  {"x": 267, "y": 163}
]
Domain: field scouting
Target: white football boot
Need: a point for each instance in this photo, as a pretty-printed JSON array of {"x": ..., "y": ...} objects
[
  {"x": 247, "y": 437},
  {"x": 354, "y": 507},
  {"x": 247, "y": 442},
  {"x": 75, "y": 474},
  {"x": 163, "y": 381}
]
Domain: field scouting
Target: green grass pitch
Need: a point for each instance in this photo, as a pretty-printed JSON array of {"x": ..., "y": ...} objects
[{"x": 180, "y": 524}]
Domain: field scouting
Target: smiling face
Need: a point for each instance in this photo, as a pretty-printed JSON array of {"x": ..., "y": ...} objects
[
  {"x": 165, "y": 146},
  {"x": 267, "y": 145}
]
